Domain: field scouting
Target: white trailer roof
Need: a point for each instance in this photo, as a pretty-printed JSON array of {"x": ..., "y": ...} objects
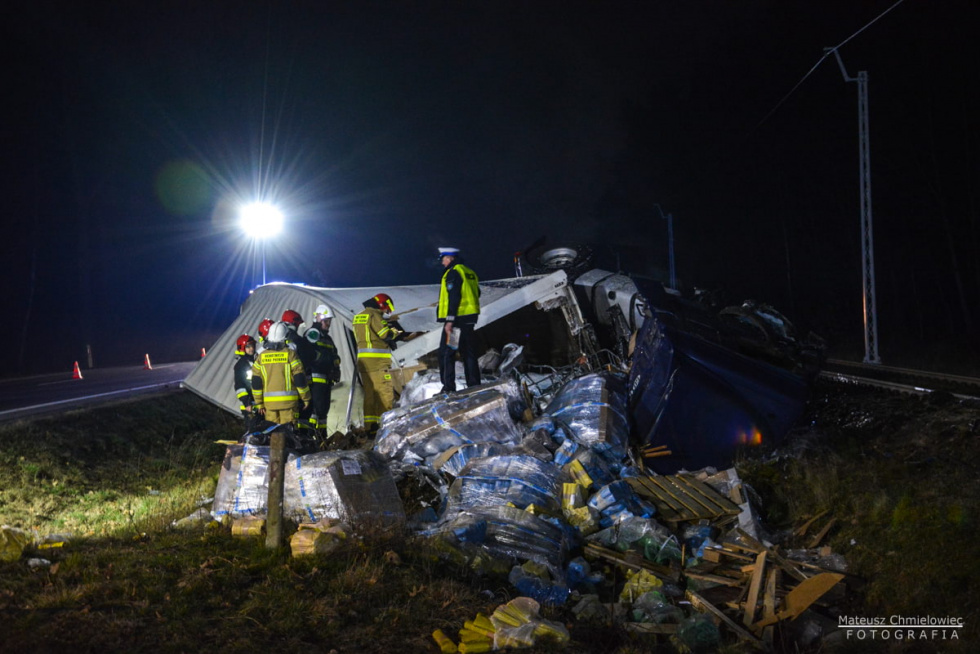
[{"x": 415, "y": 309}]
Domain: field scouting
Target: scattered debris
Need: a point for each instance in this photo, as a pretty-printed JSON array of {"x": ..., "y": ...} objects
[{"x": 12, "y": 542}]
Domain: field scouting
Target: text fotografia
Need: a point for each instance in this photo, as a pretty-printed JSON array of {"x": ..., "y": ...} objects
[{"x": 900, "y": 627}]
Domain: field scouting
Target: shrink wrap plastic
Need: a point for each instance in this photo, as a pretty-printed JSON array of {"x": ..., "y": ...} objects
[
  {"x": 243, "y": 485},
  {"x": 427, "y": 430},
  {"x": 224, "y": 492},
  {"x": 347, "y": 485},
  {"x": 618, "y": 501},
  {"x": 593, "y": 408},
  {"x": 453, "y": 460},
  {"x": 509, "y": 533},
  {"x": 520, "y": 480}
]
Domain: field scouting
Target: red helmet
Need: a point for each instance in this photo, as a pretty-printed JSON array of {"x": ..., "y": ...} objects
[
  {"x": 264, "y": 328},
  {"x": 290, "y": 317},
  {"x": 385, "y": 303},
  {"x": 242, "y": 343}
]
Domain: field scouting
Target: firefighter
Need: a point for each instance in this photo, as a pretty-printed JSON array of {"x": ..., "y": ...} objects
[
  {"x": 375, "y": 341},
  {"x": 279, "y": 385},
  {"x": 304, "y": 349},
  {"x": 263, "y": 333},
  {"x": 244, "y": 358},
  {"x": 325, "y": 370},
  {"x": 458, "y": 308}
]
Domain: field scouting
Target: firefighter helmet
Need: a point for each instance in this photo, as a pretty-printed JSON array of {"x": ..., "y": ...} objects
[
  {"x": 322, "y": 312},
  {"x": 385, "y": 303},
  {"x": 291, "y": 317},
  {"x": 264, "y": 328},
  {"x": 242, "y": 342},
  {"x": 278, "y": 333}
]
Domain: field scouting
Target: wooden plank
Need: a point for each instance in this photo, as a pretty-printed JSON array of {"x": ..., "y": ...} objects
[
  {"x": 715, "y": 579},
  {"x": 823, "y": 532},
  {"x": 708, "y": 507},
  {"x": 801, "y": 597},
  {"x": 651, "y": 628},
  {"x": 637, "y": 563},
  {"x": 769, "y": 605},
  {"x": 754, "y": 586},
  {"x": 701, "y": 604},
  {"x": 801, "y": 531},
  {"x": 670, "y": 486},
  {"x": 668, "y": 509},
  {"x": 722, "y": 504}
]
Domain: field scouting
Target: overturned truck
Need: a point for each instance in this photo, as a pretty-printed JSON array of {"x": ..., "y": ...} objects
[
  {"x": 701, "y": 383},
  {"x": 597, "y": 391}
]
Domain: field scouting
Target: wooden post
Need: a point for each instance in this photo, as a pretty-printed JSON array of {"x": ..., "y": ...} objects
[{"x": 277, "y": 466}]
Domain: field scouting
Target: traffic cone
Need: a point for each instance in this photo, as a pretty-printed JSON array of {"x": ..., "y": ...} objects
[
  {"x": 204, "y": 353},
  {"x": 76, "y": 373},
  {"x": 146, "y": 363}
]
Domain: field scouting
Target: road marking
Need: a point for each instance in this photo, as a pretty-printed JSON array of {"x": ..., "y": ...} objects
[{"x": 87, "y": 397}]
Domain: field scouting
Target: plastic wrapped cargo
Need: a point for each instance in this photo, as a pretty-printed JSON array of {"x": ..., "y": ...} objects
[
  {"x": 425, "y": 431},
  {"x": 453, "y": 460},
  {"x": 509, "y": 533},
  {"x": 243, "y": 485},
  {"x": 593, "y": 408},
  {"x": 617, "y": 501},
  {"x": 520, "y": 480},
  {"x": 348, "y": 485},
  {"x": 224, "y": 492}
]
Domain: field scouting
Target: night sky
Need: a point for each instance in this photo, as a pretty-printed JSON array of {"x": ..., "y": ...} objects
[{"x": 384, "y": 130}]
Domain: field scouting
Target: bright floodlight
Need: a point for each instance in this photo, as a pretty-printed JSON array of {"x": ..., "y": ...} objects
[{"x": 261, "y": 220}]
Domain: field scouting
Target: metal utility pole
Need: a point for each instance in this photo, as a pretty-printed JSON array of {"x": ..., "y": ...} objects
[
  {"x": 867, "y": 231},
  {"x": 670, "y": 244}
]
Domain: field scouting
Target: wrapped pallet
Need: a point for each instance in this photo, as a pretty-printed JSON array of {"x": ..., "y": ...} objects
[
  {"x": 426, "y": 431},
  {"x": 593, "y": 409},
  {"x": 349, "y": 485},
  {"x": 517, "y": 480},
  {"x": 243, "y": 485}
]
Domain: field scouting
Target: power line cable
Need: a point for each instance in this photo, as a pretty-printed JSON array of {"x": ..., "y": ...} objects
[{"x": 826, "y": 54}]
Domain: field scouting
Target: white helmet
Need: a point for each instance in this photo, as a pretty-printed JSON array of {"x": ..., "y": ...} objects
[
  {"x": 278, "y": 333},
  {"x": 322, "y": 312}
]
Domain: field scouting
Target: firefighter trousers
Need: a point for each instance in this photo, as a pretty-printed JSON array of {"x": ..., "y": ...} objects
[
  {"x": 379, "y": 393},
  {"x": 320, "y": 402}
]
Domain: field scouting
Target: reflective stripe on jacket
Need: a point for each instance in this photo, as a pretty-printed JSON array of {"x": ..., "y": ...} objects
[
  {"x": 373, "y": 334},
  {"x": 278, "y": 380}
]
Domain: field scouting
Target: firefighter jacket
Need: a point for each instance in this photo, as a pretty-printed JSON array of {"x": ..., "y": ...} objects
[
  {"x": 326, "y": 363},
  {"x": 243, "y": 381},
  {"x": 375, "y": 337},
  {"x": 459, "y": 296},
  {"x": 278, "y": 379},
  {"x": 302, "y": 346}
]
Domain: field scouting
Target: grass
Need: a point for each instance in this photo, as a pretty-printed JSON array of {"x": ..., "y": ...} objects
[{"x": 899, "y": 476}]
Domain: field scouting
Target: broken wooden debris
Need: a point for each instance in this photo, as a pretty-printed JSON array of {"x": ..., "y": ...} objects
[
  {"x": 745, "y": 584},
  {"x": 634, "y": 561},
  {"x": 683, "y": 498}
]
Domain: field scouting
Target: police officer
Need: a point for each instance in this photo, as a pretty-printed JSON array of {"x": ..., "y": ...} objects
[
  {"x": 325, "y": 370},
  {"x": 279, "y": 385},
  {"x": 244, "y": 357},
  {"x": 375, "y": 340},
  {"x": 458, "y": 308}
]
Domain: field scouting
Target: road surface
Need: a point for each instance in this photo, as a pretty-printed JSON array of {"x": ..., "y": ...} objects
[{"x": 45, "y": 394}]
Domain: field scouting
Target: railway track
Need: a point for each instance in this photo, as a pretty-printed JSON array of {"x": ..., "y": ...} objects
[{"x": 904, "y": 380}]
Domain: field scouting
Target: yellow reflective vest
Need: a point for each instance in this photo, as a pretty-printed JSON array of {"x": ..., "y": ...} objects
[{"x": 469, "y": 294}]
